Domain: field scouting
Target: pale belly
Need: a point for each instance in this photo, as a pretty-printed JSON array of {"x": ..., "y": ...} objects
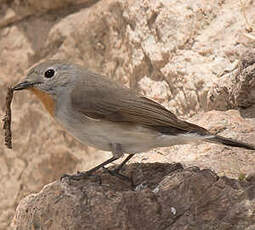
[
  {"x": 132, "y": 138},
  {"x": 101, "y": 135}
]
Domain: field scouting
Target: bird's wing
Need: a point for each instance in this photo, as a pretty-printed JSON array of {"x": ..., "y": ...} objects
[{"x": 101, "y": 98}]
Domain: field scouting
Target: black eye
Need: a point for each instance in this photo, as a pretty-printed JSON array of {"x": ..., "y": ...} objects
[{"x": 49, "y": 73}]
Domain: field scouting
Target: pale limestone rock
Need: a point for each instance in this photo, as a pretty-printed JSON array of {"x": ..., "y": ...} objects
[{"x": 180, "y": 53}]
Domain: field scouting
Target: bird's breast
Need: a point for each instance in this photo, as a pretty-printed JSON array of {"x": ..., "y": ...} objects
[{"x": 46, "y": 99}]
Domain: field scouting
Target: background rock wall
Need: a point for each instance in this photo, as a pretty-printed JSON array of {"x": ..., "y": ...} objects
[{"x": 183, "y": 54}]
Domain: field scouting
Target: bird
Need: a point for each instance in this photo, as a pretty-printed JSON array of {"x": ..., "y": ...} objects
[{"x": 105, "y": 114}]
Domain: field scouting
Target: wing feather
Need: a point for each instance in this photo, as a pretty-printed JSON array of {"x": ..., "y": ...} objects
[{"x": 100, "y": 98}]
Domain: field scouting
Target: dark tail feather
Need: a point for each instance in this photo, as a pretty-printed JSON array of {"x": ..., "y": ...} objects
[{"x": 229, "y": 142}]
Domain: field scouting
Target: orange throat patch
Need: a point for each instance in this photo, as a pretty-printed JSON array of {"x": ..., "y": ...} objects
[{"x": 46, "y": 99}]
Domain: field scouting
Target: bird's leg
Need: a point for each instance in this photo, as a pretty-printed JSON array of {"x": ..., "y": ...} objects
[
  {"x": 84, "y": 175},
  {"x": 116, "y": 150},
  {"x": 124, "y": 162},
  {"x": 115, "y": 172}
]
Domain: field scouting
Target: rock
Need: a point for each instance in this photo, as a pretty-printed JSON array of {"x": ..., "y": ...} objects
[
  {"x": 15, "y": 11},
  {"x": 237, "y": 88},
  {"x": 171, "y": 51},
  {"x": 171, "y": 198}
]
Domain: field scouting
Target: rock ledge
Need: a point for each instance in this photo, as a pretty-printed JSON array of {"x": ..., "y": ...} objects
[{"x": 167, "y": 197}]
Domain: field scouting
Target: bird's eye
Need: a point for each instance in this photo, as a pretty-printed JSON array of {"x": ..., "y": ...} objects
[{"x": 49, "y": 73}]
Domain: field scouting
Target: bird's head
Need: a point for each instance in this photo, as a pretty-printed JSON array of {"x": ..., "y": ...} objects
[{"x": 48, "y": 80}]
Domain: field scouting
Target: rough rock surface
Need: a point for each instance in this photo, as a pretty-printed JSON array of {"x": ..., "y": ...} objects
[
  {"x": 183, "y": 54},
  {"x": 166, "y": 197},
  {"x": 237, "y": 88}
]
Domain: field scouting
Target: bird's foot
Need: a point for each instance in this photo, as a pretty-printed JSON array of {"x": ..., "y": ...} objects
[
  {"x": 116, "y": 172},
  {"x": 81, "y": 176}
]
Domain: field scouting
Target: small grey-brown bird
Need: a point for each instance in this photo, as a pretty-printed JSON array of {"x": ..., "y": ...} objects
[{"x": 102, "y": 113}]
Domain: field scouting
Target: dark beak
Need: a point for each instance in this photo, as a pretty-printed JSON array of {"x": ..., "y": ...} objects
[{"x": 23, "y": 85}]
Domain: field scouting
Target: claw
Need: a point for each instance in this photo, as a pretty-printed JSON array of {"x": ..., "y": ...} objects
[
  {"x": 81, "y": 176},
  {"x": 115, "y": 172}
]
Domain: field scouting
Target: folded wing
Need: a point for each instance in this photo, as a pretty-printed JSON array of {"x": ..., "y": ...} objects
[{"x": 101, "y": 98}]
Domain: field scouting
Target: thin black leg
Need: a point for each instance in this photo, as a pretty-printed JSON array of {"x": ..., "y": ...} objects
[
  {"x": 102, "y": 165},
  {"x": 124, "y": 162},
  {"x": 84, "y": 175},
  {"x": 117, "y": 153},
  {"x": 115, "y": 172}
]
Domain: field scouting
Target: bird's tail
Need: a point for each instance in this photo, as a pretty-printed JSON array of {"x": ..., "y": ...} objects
[{"x": 229, "y": 142}]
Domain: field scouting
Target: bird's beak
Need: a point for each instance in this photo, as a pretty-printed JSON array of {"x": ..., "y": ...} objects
[{"x": 23, "y": 85}]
